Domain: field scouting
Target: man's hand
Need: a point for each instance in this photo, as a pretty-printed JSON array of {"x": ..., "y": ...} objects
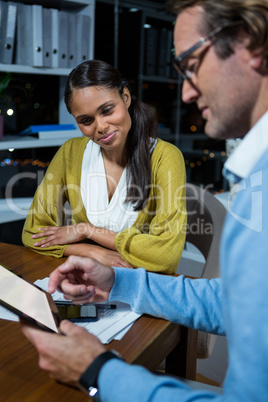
[
  {"x": 64, "y": 356},
  {"x": 82, "y": 280}
]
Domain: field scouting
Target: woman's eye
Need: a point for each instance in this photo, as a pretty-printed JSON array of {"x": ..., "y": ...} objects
[
  {"x": 86, "y": 122},
  {"x": 107, "y": 110}
]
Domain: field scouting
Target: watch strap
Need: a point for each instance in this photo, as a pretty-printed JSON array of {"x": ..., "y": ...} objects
[{"x": 88, "y": 380}]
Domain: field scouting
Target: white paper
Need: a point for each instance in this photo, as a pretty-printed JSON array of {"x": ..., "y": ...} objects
[
  {"x": 7, "y": 315},
  {"x": 112, "y": 323}
]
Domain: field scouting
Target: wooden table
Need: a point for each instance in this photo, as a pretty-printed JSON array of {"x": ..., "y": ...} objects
[{"x": 148, "y": 342}]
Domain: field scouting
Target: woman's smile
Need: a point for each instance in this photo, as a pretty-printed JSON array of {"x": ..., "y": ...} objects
[
  {"x": 108, "y": 137},
  {"x": 102, "y": 115}
]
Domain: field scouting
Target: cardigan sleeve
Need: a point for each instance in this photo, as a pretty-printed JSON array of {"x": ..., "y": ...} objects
[
  {"x": 47, "y": 208},
  {"x": 156, "y": 240}
]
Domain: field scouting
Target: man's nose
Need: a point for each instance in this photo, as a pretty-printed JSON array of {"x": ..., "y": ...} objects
[{"x": 190, "y": 92}]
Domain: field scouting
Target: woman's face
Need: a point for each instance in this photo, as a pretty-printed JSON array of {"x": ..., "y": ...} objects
[{"x": 102, "y": 115}]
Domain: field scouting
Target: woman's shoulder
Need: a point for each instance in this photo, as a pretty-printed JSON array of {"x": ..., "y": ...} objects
[
  {"x": 163, "y": 147},
  {"x": 75, "y": 144}
]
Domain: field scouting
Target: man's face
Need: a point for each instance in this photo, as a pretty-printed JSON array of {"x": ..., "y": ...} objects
[{"x": 223, "y": 89}]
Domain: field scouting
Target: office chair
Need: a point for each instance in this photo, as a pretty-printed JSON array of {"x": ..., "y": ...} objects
[{"x": 205, "y": 218}]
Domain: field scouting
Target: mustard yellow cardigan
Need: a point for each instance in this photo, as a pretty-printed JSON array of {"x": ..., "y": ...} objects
[{"x": 156, "y": 239}]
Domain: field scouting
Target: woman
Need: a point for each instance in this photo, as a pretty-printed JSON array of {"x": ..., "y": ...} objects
[{"x": 125, "y": 187}]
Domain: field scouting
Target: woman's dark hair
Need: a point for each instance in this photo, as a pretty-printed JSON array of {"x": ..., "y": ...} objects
[{"x": 143, "y": 128}]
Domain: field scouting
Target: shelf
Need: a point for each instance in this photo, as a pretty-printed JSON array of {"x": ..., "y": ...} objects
[
  {"x": 86, "y": 7},
  {"x": 67, "y": 4},
  {"x": 81, "y": 7},
  {"x": 14, "y": 209},
  {"x": 16, "y": 142},
  {"x": 17, "y": 68}
]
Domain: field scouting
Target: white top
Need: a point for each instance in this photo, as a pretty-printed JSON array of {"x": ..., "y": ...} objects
[
  {"x": 249, "y": 151},
  {"x": 115, "y": 215}
]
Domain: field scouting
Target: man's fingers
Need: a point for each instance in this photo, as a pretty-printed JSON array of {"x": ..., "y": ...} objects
[
  {"x": 55, "y": 279},
  {"x": 34, "y": 335},
  {"x": 73, "y": 289},
  {"x": 72, "y": 264},
  {"x": 70, "y": 329}
]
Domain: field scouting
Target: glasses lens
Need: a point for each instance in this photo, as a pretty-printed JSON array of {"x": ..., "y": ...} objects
[{"x": 179, "y": 68}]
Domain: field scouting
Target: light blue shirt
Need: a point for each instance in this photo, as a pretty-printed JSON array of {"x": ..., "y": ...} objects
[
  {"x": 236, "y": 305},
  {"x": 249, "y": 151}
]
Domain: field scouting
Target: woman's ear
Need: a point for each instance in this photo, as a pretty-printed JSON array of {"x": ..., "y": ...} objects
[{"x": 126, "y": 97}]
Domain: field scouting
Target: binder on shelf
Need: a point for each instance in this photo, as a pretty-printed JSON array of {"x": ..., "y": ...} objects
[
  {"x": 151, "y": 46},
  {"x": 52, "y": 131},
  {"x": 2, "y": 6},
  {"x": 63, "y": 39},
  {"x": 29, "y": 35},
  {"x": 72, "y": 59},
  {"x": 23, "y": 34},
  {"x": 43, "y": 135},
  {"x": 82, "y": 37},
  {"x": 47, "y": 37},
  {"x": 55, "y": 37},
  {"x": 8, "y": 17},
  {"x": 47, "y": 127},
  {"x": 1, "y": 11},
  {"x": 37, "y": 19}
]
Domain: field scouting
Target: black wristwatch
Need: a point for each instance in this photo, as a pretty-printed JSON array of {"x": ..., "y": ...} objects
[{"x": 88, "y": 380}]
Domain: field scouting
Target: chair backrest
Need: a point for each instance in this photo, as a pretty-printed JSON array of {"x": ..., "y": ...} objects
[{"x": 205, "y": 218}]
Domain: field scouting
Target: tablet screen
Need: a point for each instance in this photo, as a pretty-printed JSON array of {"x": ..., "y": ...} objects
[{"x": 28, "y": 301}]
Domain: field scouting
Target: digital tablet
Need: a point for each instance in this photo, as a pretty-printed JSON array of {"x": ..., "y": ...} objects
[{"x": 28, "y": 301}]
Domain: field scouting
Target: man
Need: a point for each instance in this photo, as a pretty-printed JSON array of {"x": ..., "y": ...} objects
[{"x": 226, "y": 74}]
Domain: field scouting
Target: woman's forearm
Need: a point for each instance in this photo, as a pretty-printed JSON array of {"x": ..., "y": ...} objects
[
  {"x": 98, "y": 253},
  {"x": 104, "y": 237}
]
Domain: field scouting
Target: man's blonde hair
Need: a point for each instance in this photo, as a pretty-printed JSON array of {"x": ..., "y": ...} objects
[{"x": 250, "y": 15}]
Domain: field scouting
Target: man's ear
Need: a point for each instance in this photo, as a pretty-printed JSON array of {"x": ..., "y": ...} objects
[
  {"x": 126, "y": 97},
  {"x": 256, "y": 60}
]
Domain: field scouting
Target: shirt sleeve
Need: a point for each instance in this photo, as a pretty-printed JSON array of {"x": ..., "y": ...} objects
[
  {"x": 245, "y": 288},
  {"x": 156, "y": 240},
  {"x": 47, "y": 208},
  {"x": 121, "y": 382},
  {"x": 195, "y": 303}
]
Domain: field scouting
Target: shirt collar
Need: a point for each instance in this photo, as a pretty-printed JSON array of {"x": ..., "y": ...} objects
[{"x": 248, "y": 152}]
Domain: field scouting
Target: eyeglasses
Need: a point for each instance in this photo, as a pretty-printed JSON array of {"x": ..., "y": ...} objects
[{"x": 184, "y": 72}]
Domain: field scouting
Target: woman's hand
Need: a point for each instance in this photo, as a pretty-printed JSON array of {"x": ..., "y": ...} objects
[{"x": 62, "y": 234}]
